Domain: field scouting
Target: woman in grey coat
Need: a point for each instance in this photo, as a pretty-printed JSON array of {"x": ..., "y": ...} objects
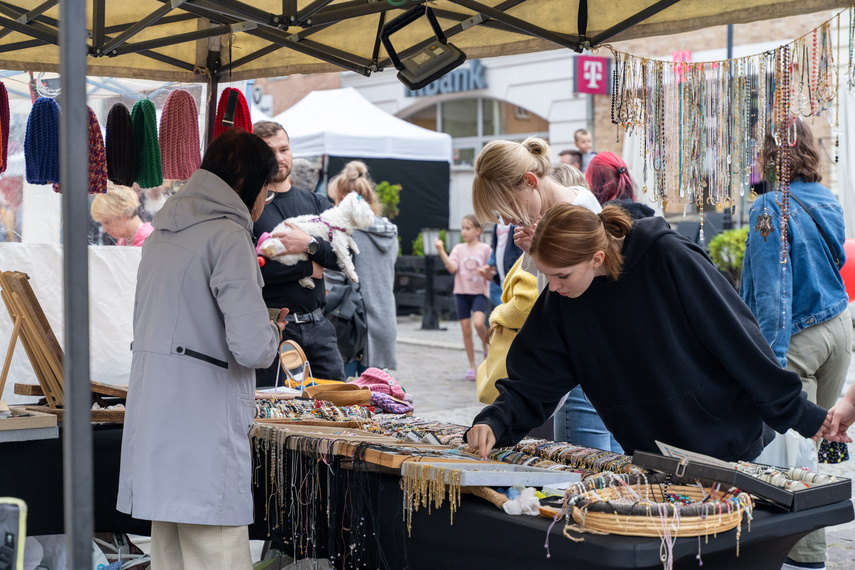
[
  {"x": 200, "y": 330},
  {"x": 375, "y": 265}
]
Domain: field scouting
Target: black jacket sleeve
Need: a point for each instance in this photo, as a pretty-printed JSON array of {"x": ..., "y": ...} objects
[{"x": 539, "y": 375}]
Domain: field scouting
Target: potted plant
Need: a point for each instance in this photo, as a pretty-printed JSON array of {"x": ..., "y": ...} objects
[{"x": 727, "y": 250}]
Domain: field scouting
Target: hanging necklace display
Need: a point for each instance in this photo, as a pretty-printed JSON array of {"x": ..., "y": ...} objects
[{"x": 695, "y": 118}]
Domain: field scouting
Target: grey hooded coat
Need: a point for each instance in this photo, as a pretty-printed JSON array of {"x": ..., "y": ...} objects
[{"x": 200, "y": 330}]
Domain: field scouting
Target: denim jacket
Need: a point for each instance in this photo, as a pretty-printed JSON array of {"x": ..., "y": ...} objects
[{"x": 808, "y": 289}]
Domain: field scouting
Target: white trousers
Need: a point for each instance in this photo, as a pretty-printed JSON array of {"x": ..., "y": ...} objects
[{"x": 176, "y": 546}]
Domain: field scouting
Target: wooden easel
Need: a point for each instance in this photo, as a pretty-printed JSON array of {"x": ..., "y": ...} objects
[{"x": 43, "y": 350}]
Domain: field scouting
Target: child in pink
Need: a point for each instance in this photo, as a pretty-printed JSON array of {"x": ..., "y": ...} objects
[{"x": 471, "y": 290}]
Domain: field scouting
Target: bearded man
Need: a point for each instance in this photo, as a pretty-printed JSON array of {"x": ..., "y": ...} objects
[{"x": 306, "y": 322}]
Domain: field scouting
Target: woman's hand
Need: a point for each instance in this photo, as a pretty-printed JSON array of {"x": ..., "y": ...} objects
[
  {"x": 281, "y": 323},
  {"x": 439, "y": 244},
  {"x": 482, "y": 439},
  {"x": 836, "y": 425},
  {"x": 522, "y": 237}
]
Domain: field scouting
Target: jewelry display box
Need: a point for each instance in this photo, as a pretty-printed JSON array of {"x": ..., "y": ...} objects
[{"x": 816, "y": 495}]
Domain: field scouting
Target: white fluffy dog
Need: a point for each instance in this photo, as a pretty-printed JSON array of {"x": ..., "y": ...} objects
[{"x": 334, "y": 225}]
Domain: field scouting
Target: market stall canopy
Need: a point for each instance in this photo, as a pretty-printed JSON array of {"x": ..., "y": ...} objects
[
  {"x": 190, "y": 40},
  {"x": 341, "y": 122}
]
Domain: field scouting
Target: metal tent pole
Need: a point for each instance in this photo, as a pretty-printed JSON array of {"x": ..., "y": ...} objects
[{"x": 74, "y": 179}]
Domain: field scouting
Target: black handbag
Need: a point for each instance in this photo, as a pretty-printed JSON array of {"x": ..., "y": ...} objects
[{"x": 345, "y": 309}]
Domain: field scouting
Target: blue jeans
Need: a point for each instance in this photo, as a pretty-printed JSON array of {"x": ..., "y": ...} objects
[
  {"x": 495, "y": 294},
  {"x": 354, "y": 368},
  {"x": 577, "y": 422}
]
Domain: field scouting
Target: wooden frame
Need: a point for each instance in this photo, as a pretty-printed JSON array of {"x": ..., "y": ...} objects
[{"x": 43, "y": 350}]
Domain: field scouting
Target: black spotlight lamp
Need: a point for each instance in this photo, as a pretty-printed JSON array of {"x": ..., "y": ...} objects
[{"x": 430, "y": 62}]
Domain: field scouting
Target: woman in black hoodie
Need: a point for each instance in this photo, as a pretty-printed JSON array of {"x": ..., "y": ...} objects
[{"x": 698, "y": 373}]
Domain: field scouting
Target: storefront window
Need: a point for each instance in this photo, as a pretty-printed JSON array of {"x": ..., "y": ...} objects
[
  {"x": 464, "y": 156},
  {"x": 460, "y": 117},
  {"x": 472, "y": 123},
  {"x": 426, "y": 118},
  {"x": 493, "y": 123}
]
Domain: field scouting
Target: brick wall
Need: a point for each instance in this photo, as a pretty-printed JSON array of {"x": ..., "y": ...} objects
[{"x": 288, "y": 90}]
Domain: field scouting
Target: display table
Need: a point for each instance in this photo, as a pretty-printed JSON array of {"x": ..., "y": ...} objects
[
  {"x": 32, "y": 471},
  {"x": 483, "y": 536}
]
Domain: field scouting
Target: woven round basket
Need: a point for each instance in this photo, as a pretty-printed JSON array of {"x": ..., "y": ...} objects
[{"x": 660, "y": 517}]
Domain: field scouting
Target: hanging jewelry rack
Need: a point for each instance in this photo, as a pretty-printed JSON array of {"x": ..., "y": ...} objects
[{"x": 701, "y": 117}]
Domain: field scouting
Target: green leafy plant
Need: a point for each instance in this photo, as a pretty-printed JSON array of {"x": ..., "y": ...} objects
[
  {"x": 389, "y": 196},
  {"x": 419, "y": 246},
  {"x": 727, "y": 250}
]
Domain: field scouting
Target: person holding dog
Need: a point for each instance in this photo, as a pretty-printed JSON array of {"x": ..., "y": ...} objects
[{"x": 307, "y": 325}]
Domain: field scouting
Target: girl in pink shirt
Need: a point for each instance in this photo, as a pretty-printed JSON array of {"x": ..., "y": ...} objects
[{"x": 471, "y": 290}]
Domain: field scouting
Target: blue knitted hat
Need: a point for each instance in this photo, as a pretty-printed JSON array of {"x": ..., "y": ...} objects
[
  {"x": 41, "y": 143},
  {"x": 148, "y": 169}
]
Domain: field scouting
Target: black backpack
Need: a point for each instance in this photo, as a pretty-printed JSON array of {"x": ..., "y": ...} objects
[{"x": 345, "y": 309}]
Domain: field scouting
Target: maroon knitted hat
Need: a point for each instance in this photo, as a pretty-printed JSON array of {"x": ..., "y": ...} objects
[
  {"x": 97, "y": 158},
  {"x": 4, "y": 128},
  {"x": 242, "y": 117},
  {"x": 179, "y": 136}
]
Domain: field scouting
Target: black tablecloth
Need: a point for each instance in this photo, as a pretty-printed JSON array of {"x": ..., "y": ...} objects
[
  {"x": 32, "y": 471},
  {"x": 483, "y": 536}
]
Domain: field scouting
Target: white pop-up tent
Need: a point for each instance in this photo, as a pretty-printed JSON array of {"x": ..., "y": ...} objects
[
  {"x": 341, "y": 125},
  {"x": 341, "y": 122}
]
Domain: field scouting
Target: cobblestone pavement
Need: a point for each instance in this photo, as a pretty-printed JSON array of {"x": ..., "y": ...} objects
[{"x": 431, "y": 365}]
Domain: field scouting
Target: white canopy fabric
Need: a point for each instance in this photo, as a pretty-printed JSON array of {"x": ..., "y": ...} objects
[{"x": 341, "y": 122}]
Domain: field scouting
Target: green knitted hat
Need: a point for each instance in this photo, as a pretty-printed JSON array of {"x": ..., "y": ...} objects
[{"x": 148, "y": 170}]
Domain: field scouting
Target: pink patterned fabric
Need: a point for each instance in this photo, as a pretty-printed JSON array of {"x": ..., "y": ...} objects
[{"x": 380, "y": 381}]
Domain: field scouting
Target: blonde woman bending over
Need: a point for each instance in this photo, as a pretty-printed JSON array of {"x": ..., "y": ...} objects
[{"x": 517, "y": 182}]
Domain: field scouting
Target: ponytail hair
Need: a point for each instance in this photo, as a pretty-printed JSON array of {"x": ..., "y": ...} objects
[
  {"x": 608, "y": 178},
  {"x": 354, "y": 178},
  {"x": 499, "y": 172},
  {"x": 568, "y": 235}
]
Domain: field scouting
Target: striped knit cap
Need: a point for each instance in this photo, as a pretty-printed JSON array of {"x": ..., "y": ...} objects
[
  {"x": 120, "y": 146},
  {"x": 242, "y": 117},
  {"x": 97, "y": 158},
  {"x": 179, "y": 136},
  {"x": 41, "y": 143},
  {"x": 4, "y": 128},
  {"x": 148, "y": 171}
]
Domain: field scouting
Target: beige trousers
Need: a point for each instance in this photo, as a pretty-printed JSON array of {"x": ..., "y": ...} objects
[
  {"x": 176, "y": 546},
  {"x": 820, "y": 355}
]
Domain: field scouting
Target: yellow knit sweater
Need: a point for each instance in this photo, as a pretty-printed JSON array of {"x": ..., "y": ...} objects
[{"x": 519, "y": 292}]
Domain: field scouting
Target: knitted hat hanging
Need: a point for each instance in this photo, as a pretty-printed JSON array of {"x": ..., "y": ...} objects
[
  {"x": 4, "y": 128},
  {"x": 41, "y": 143},
  {"x": 97, "y": 158},
  {"x": 242, "y": 118},
  {"x": 179, "y": 136},
  {"x": 148, "y": 170},
  {"x": 120, "y": 146}
]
